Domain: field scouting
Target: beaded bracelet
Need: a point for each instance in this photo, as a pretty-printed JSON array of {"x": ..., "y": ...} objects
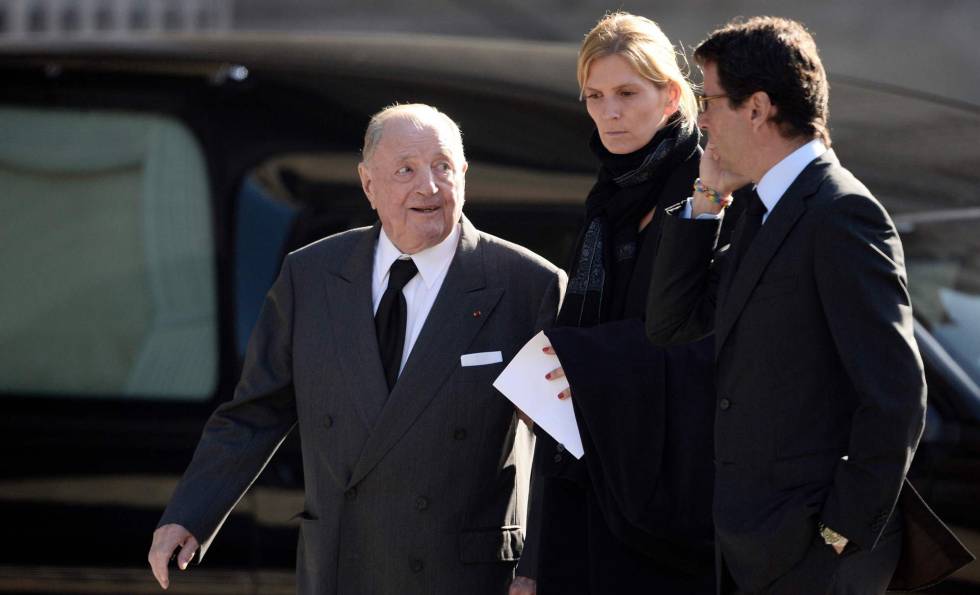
[{"x": 711, "y": 193}]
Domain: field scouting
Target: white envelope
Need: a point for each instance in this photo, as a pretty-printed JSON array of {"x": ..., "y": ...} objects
[
  {"x": 523, "y": 382},
  {"x": 483, "y": 358}
]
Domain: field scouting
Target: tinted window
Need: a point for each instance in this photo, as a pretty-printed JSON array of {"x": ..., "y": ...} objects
[
  {"x": 107, "y": 257},
  {"x": 943, "y": 253}
]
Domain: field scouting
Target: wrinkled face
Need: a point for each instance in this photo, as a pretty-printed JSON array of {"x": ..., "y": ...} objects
[
  {"x": 729, "y": 129},
  {"x": 415, "y": 181},
  {"x": 627, "y": 109}
]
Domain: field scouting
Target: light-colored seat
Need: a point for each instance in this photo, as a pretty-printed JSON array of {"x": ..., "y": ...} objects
[{"x": 106, "y": 257}]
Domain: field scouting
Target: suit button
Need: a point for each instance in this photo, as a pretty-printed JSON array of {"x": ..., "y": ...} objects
[
  {"x": 459, "y": 434},
  {"x": 422, "y": 503},
  {"x": 327, "y": 421},
  {"x": 724, "y": 404},
  {"x": 557, "y": 458},
  {"x": 351, "y": 494},
  {"x": 417, "y": 566},
  {"x": 560, "y": 447}
]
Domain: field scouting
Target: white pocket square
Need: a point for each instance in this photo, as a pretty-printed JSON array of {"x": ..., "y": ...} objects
[{"x": 480, "y": 359}]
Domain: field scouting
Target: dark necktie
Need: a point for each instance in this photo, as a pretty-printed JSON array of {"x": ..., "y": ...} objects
[
  {"x": 750, "y": 227},
  {"x": 389, "y": 322}
]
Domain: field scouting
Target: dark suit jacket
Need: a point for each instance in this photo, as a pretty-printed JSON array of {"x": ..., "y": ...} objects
[
  {"x": 821, "y": 391},
  {"x": 420, "y": 491}
]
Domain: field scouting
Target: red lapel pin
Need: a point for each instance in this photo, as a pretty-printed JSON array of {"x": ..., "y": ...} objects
[{"x": 477, "y": 313}]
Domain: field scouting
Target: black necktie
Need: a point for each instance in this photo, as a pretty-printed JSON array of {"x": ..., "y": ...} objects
[
  {"x": 389, "y": 322},
  {"x": 750, "y": 227}
]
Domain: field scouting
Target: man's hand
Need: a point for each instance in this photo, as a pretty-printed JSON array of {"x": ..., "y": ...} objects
[
  {"x": 839, "y": 546},
  {"x": 714, "y": 177},
  {"x": 165, "y": 541},
  {"x": 522, "y": 585}
]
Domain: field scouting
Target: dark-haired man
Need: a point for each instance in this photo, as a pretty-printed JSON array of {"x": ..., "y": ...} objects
[{"x": 821, "y": 391}]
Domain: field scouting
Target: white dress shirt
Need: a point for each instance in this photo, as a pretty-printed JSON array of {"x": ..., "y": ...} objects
[
  {"x": 420, "y": 293},
  {"x": 776, "y": 181}
]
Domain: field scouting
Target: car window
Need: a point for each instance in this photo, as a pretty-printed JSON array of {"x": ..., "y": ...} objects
[
  {"x": 263, "y": 223},
  {"x": 107, "y": 256},
  {"x": 943, "y": 258}
]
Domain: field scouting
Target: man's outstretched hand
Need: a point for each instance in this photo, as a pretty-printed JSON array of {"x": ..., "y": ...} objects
[{"x": 166, "y": 539}]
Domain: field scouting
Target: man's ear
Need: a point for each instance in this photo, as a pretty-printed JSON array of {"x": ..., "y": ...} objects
[
  {"x": 762, "y": 108},
  {"x": 362, "y": 171}
]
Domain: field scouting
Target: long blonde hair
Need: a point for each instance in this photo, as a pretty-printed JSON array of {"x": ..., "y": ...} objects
[{"x": 641, "y": 42}]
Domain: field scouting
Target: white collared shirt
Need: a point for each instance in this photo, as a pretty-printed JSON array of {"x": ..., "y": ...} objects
[
  {"x": 778, "y": 179},
  {"x": 775, "y": 182},
  {"x": 420, "y": 293}
]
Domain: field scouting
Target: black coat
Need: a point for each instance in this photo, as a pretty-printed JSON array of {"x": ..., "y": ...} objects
[
  {"x": 821, "y": 392},
  {"x": 635, "y": 513}
]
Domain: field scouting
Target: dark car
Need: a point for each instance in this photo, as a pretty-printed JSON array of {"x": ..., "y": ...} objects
[{"x": 149, "y": 191}]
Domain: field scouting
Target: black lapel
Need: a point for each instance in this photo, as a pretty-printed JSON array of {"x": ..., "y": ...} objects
[
  {"x": 726, "y": 275},
  {"x": 736, "y": 287},
  {"x": 348, "y": 293}
]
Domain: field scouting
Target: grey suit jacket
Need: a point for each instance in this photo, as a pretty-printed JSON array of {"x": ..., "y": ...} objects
[{"x": 420, "y": 491}]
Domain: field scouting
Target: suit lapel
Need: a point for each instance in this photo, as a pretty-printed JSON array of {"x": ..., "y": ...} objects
[
  {"x": 353, "y": 328},
  {"x": 462, "y": 307},
  {"x": 736, "y": 287},
  {"x": 726, "y": 280}
]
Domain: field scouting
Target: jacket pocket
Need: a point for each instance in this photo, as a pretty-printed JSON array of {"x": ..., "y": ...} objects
[
  {"x": 491, "y": 545},
  {"x": 807, "y": 469},
  {"x": 482, "y": 376}
]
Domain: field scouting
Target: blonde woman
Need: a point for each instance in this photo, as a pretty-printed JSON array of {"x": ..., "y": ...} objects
[{"x": 634, "y": 514}]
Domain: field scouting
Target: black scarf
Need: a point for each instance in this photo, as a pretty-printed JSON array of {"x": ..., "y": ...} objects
[{"x": 627, "y": 188}]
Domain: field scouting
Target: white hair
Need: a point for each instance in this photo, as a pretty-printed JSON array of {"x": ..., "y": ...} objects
[{"x": 418, "y": 113}]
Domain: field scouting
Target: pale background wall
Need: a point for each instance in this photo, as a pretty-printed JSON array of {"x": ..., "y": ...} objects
[{"x": 924, "y": 45}]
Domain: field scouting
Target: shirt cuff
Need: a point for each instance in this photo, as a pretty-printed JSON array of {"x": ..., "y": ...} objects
[{"x": 689, "y": 208}]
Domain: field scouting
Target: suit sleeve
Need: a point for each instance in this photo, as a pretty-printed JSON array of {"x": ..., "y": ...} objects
[
  {"x": 242, "y": 434},
  {"x": 860, "y": 273},
  {"x": 528, "y": 564},
  {"x": 683, "y": 287}
]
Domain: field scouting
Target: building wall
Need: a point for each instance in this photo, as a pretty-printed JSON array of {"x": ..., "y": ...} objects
[{"x": 924, "y": 45}]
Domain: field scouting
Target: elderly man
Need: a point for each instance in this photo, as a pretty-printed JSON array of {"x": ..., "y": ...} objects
[
  {"x": 821, "y": 393},
  {"x": 381, "y": 343}
]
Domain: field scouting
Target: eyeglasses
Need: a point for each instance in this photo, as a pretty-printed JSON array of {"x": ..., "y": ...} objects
[{"x": 704, "y": 99}]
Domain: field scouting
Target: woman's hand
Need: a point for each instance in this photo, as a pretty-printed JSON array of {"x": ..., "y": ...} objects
[{"x": 557, "y": 373}]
